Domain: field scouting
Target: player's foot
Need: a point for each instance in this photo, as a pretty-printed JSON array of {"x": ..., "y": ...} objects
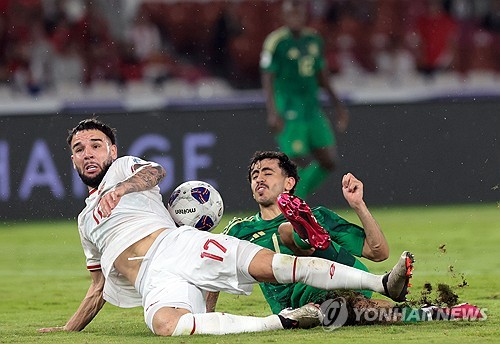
[
  {"x": 397, "y": 281},
  {"x": 306, "y": 316},
  {"x": 298, "y": 213}
]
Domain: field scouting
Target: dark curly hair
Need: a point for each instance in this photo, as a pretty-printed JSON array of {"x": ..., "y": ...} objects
[
  {"x": 288, "y": 166},
  {"x": 90, "y": 124}
]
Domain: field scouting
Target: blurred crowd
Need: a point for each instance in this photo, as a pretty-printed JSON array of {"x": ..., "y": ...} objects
[{"x": 50, "y": 44}]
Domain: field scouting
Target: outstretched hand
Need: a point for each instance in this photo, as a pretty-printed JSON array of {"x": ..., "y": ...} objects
[{"x": 352, "y": 188}]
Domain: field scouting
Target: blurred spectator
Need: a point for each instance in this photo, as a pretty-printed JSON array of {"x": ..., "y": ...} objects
[
  {"x": 256, "y": 19},
  {"x": 40, "y": 60},
  {"x": 16, "y": 49},
  {"x": 99, "y": 51},
  {"x": 464, "y": 12},
  {"x": 227, "y": 26},
  {"x": 336, "y": 45},
  {"x": 145, "y": 51},
  {"x": 347, "y": 27},
  {"x": 131, "y": 67},
  {"x": 53, "y": 15},
  {"x": 437, "y": 32},
  {"x": 3, "y": 48},
  {"x": 68, "y": 65},
  {"x": 144, "y": 36},
  {"x": 393, "y": 58},
  {"x": 491, "y": 23},
  {"x": 118, "y": 40},
  {"x": 18, "y": 66},
  {"x": 363, "y": 12}
]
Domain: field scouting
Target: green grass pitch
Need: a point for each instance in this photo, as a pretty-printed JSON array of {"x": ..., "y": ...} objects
[{"x": 43, "y": 279}]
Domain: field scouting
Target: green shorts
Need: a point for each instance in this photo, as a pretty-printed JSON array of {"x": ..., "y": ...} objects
[{"x": 300, "y": 137}]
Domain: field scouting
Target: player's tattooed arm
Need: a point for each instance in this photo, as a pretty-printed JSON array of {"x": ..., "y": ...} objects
[{"x": 144, "y": 178}]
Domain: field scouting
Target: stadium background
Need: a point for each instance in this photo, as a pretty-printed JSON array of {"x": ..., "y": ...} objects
[{"x": 193, "y": 102}]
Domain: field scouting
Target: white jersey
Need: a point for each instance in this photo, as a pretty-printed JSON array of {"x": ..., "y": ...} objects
[{"x": 103, "y": 239}]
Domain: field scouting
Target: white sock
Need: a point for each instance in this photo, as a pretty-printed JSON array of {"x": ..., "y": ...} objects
[
  {"x": 323, "y": 274},
  {"x": 223, "y": 323}
]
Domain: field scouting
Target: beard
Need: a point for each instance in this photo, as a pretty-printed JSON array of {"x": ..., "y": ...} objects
[
  {"x": 94, "y": 182},
  {"x": 265, "y": 203}
]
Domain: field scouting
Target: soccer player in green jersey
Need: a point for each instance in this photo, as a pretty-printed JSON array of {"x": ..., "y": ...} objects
[
  {"x": 293, "y": 71},
  {"x": 272, "y": 173}
]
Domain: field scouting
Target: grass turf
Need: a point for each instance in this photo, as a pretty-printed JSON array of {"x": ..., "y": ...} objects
[{"x": 43, "y": 280}]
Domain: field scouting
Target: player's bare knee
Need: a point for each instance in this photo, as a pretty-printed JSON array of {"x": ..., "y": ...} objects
[
  {"x": 285, "y": 230},
  {"x": 164, "y": 326},
  {"x": 165, "y": 320}
]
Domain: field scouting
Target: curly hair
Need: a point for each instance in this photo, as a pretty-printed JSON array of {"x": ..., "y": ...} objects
[
  {"x": 288, "y": 167},
  {"x": 90, "y": 124}
]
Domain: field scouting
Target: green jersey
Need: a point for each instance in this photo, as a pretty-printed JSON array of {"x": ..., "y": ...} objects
[
  {"x": 347, "y": 242},
  {"x": 295, "y": 63}
]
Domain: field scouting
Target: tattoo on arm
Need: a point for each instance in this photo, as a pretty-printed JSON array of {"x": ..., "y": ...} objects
[{"x": 144, "y": 178}]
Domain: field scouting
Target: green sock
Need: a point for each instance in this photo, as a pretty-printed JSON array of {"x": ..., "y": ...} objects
[
  {"x": 299, "y": 242},
  {"x": 311, "y": 178}
]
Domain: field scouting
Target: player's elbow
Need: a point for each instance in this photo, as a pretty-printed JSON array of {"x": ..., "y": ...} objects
[
  {"x": 377, "y": 254},
  {"x": 378, "y": 259},
  {"x": 380, "y": 255}
]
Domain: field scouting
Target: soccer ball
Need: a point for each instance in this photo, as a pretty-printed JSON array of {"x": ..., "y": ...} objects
[{"x": 197, "y": 204}]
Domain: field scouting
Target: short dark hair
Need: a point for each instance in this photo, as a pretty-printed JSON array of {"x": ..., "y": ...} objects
[
  {"x": 288, "y": 167},
  {"x": 91, "y": 124}
]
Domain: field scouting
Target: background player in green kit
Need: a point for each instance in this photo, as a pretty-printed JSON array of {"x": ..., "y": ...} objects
[
  {"x": 272, "y": 173},
  {"x": 293, "y": 70}
]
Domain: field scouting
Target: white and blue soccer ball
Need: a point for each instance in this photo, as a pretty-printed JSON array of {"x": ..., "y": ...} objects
[{"x": 197, "y": 204}]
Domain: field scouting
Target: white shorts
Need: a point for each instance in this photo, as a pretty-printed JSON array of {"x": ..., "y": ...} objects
[{"x": 183, "y": 264}]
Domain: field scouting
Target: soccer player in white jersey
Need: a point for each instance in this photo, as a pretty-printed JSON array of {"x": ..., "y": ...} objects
[{"x": 136, "y": 255}]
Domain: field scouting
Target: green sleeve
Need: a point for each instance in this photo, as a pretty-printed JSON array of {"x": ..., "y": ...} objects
[
  {"x": 348, "y": 235},
  {"x": 269, "y": 58}
]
